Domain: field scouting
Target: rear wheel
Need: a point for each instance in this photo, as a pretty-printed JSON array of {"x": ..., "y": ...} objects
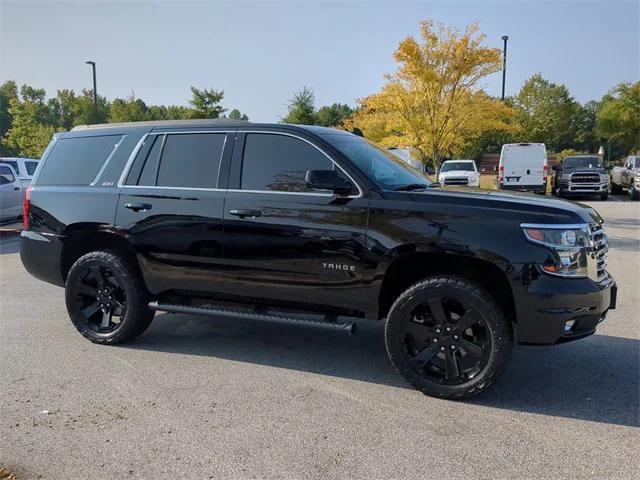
[
  {"x": 106, "y": 298},
  {"x": 448, "y": 337}
]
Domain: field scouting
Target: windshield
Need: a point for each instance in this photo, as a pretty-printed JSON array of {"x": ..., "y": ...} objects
[
  {"x": 464, "y": 166},
  {"x": 383, "y": 167},
  {"x": 582, "y": 162}
]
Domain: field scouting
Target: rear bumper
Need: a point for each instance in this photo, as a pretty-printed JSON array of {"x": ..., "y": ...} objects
[
  {"x": 538, "y": 188},
  {"x": 41, "y": 254},
  {"x": 552, "y": 310}
]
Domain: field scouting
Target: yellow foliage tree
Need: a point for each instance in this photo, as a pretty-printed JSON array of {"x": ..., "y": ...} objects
[{"x": 432, "y": 103}]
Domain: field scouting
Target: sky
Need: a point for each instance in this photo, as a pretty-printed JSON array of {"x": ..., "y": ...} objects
[{"x": 260, "y": 52}]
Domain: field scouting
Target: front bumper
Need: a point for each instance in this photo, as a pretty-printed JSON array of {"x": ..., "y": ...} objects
[
  {"x": 581, "y": 188},
  {"x": 553, "y": 309}
]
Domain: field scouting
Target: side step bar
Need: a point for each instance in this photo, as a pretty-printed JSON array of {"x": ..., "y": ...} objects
[{"x": 327, "y": 322}]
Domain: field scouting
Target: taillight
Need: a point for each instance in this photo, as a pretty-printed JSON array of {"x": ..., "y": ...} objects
[
  {"x": 501, "y": 178},
  {"x": 26, "y": 204},
  {"x": 545, "y": 169}
]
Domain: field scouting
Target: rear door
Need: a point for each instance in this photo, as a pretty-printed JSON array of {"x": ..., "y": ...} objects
[
  {"x": 524, "y": 165},
  {"x": 285, "y": 243},
  {"x": 171, "y": 208},
  {"x": 10, "y": 193}
]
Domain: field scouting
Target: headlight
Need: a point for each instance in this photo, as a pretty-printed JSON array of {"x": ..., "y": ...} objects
[
  {"x": 604, "y": 178},
  {"x": 565, "y": 176},
  {"x": 568, "y": 247}
]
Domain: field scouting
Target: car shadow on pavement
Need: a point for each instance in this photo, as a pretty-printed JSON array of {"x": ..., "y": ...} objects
[{"x": 595, "y": 379}]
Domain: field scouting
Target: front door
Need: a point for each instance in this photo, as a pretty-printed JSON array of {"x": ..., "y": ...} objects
[
  {"x": 285, "y": 243},
  {"x": 171, "y": 210}
]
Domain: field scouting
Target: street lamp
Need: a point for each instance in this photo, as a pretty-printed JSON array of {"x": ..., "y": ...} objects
[
  {"x": 504, "y": 63},
  {"x": 95, "y": 91}
]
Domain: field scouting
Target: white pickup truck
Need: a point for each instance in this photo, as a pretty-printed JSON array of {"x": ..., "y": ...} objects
[{"x": 627, "y": 176}]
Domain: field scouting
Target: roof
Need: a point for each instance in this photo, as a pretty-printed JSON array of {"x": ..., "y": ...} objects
[{"x": 212, "y": 122}]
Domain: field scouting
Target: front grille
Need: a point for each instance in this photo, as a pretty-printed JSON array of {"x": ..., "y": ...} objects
[
  {"x": 601, "y": 243},
  {"x": 456, "y": 181},
  {"x": 585, "y": 178}
]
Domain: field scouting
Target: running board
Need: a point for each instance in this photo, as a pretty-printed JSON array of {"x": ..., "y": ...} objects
[{"x": 327, "y": 322}]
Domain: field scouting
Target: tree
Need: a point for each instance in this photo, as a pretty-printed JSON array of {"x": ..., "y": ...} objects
[
  {"x": 584, "y": 120},
  {"x": 333, "y": 115},
  {"x": 28, "y": 135},
  {"x": 546, "y": 113},
  {"x": 206, "y": 103},
  {"x": 432, "y": 103},
  {"x": 8, "y": 92},
  {"x": 618, "y": 119},
  {"x": 301, "y": 108},
  {"x": 235, "y": 114},
  {"x": 131, "y": 109}
]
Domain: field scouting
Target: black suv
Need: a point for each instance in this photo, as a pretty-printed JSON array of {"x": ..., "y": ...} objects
[
  {"x": 581, "y": 175},
  {"x": 309, "y": 225}
]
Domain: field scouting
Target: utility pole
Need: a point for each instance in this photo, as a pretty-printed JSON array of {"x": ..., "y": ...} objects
[
  {"x": 95, "y": 91},
  {"x": 504, "y": 63}
]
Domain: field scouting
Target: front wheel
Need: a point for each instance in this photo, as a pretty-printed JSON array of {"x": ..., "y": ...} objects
[
  {"x": 106, "y": 298},
  {"x": 633, "y": 193},
  {"x": 448, "y": 337},
  {"x": 604, "y": 196}
]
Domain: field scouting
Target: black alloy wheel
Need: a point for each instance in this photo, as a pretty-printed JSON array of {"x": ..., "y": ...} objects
[
  {"x": 106, "y": 297},
  {"x": 448, "y": 337},
  {"x": 101, "y": 299}
]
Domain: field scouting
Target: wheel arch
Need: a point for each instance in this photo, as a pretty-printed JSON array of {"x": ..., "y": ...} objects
[{"x": 405, "y": 270}]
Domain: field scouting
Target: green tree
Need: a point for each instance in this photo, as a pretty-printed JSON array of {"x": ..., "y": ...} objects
[
  {"x": 301, "y": 108},
  {"x": 131, "y": 109},
  {"x": 584, "y": 120},
  {"x": 546, "y": 113},
  {"x": 618, "y": 119},
  {"x": 333, "y": 115},
  {"x": 206, "y": 102},
  {"x": 28, "y": 135},
  {"x": 235, "y": 114},
  {"x": 8, "y": 92}
]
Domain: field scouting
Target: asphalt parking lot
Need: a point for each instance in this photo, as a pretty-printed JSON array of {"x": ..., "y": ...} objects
[{"x": 202, "y": 398}]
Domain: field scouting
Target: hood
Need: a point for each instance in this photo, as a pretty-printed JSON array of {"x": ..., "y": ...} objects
[{"x": 521, "y": 207}]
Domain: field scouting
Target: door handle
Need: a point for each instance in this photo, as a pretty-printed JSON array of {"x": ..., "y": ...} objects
[
  {"x": 138, "y": 207},
  {"x": 245, "y": 212}
]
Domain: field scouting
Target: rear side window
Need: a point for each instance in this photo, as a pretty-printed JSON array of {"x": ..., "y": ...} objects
[
  {"x": 76, "y": 161},
  {"x": 31, "y": 167},
  {"x": 191, "y": 160},
  {"x": 6, "y": 175},
  {"x": 279, "y": 162},
  {"x": 13, "y": 163}
]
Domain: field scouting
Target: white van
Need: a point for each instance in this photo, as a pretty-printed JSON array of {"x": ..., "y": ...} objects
[
  {"x": 523, "y": 166},
  {"x": 24, "y": 167}
]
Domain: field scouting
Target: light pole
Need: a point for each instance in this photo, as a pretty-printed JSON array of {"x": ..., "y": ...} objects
[
  {"x": 504, "y": 63},
  {"x": 95, "y": 91}
]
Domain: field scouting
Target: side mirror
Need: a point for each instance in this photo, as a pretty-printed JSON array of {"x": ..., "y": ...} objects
[{"x": 327, "y": 180}]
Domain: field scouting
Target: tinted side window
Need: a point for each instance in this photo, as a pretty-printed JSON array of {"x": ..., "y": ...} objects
[
  {"x": 77, "y": 161},
  {"x": 7, "y": 175},
  {"x": 31, "y": 167},
  {"x": 191, "y": 160},
  {"x": 13, "y": 163},
  {"x": 279, "y": 162}
]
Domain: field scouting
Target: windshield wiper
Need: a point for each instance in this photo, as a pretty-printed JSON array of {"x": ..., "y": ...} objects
[{"x": 411, "y": 186}]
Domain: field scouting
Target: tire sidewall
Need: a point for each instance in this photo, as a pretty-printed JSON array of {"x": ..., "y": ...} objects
[{"x": 498, "y": 327}]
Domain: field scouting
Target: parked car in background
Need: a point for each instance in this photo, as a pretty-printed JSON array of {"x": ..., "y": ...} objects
[
  {"x": 24, "y": 167},
  {"x": 627, "y": 177},
  {"x": 523, "y": 166},
  {"x": 459, "y": 172},
  {"x": 580, "y": 174},
  {"x": 10, "y": 194}
]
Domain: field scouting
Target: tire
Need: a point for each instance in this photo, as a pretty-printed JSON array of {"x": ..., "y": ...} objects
[
  {"x": 633, "y": 193},
  {"x": 100, "y": 286},
  {"x": 474, "y": 356},
  {"x": 615, "y": 189},
  {"x": 604, "y": 196}
]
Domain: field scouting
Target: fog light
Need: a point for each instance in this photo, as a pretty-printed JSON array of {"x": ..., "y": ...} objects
[{"x": 568, "y": 326}]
